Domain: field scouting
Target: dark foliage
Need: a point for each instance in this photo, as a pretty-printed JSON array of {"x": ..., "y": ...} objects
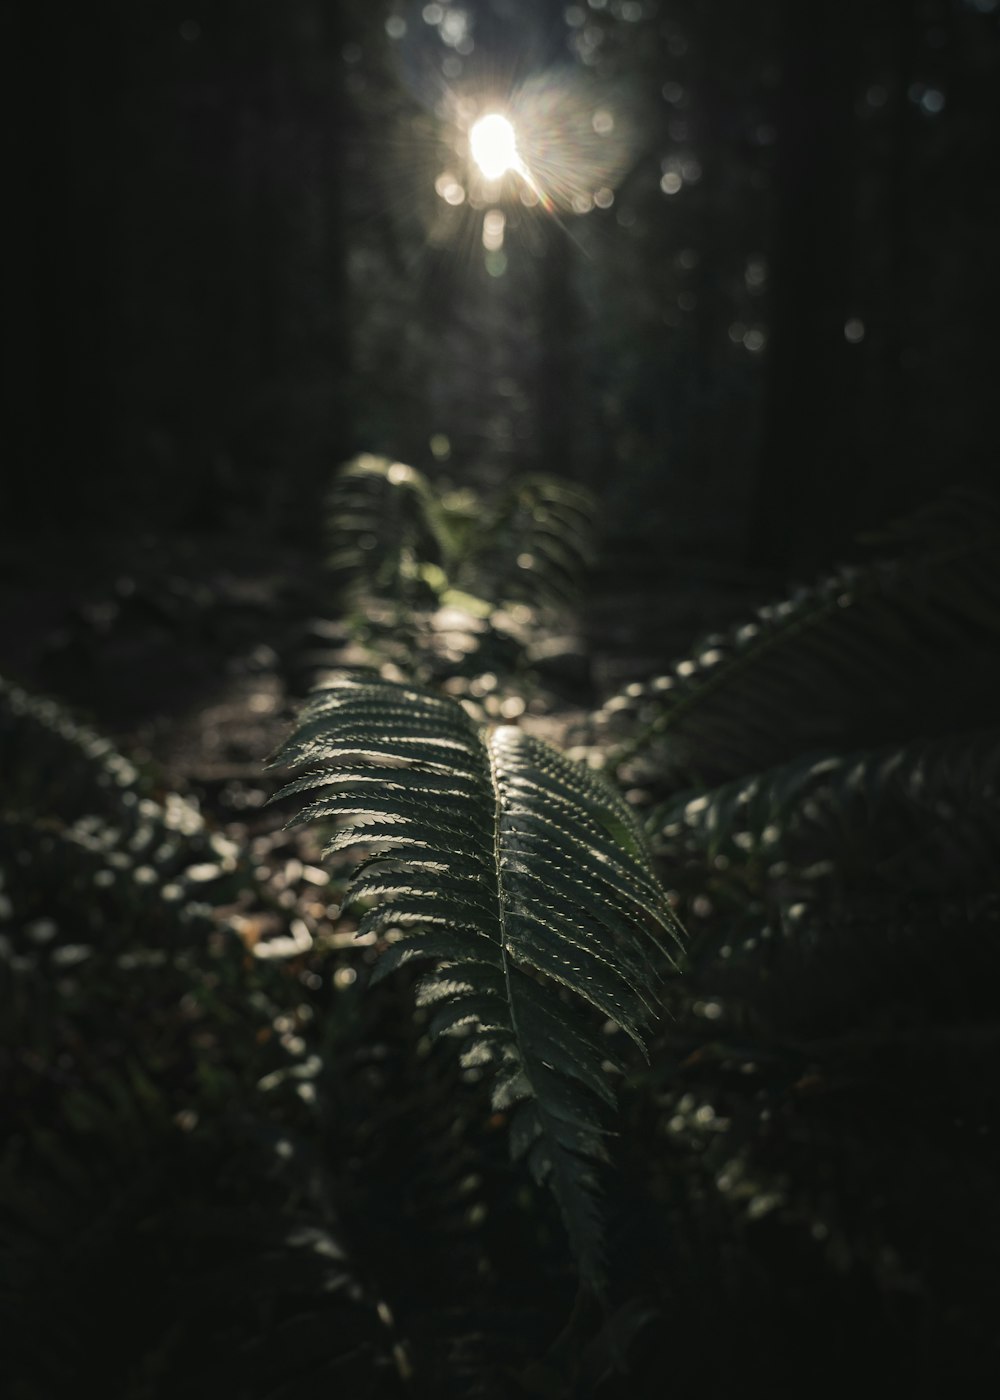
[
  {"x": 736, "y": 303},
  {"x": 901, "y": 646},
  {"x": 450, "y": 584}
]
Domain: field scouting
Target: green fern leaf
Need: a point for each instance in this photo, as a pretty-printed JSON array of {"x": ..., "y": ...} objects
[
  {"x": 537, "y": 545},
  {"x": 524, "y": 879},
  {"x": 921, "y": 817},
  {"x": 534, "y": 544},
  {"x": 869, "y": 654},
  {"x": 377, "y": 502}
]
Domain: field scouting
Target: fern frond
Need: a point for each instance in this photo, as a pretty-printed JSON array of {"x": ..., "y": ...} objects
[
  {"x": 384, "y": 525},
  {"x": 870, "y": 654},
  {"x": 523, "y": 877},
  {"x": 536, "y": 547},
  {"x": 54, "y": 764},
  {"x": 391, "y": 533},
  {"x": 921, "y": 816},
  {"x": 84, "y": 826}
]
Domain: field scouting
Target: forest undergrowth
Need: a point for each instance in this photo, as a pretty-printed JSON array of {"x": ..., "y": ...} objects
[{"x": 240, "y": 1162}]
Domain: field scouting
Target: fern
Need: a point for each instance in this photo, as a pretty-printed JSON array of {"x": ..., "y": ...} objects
[
  {"x": 55, "y": 766},
  {"x": 385, "y": 531},
  {"x": 921, "y": 816},
  {"x": 84, "y": 842},
  {"x": 163, "y": 1204},
  {"x": 394, "y": 536},
  {"x": 53, "y": 763},
  {"x": 871, "y": 653},
  {"x": 525, "y": 879},
  {"x": 535, "y": 546}
]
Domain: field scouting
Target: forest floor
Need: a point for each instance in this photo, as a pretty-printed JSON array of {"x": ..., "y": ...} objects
[
  {"x": 185, "y": 649},
  {"x": 192, "y": 652}
]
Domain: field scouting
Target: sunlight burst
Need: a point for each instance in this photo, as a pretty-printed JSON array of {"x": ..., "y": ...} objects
[{"x": 493, "y": 144}]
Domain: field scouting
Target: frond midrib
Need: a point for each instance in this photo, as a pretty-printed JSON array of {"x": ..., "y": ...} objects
[{"x": 495, "y": 791}]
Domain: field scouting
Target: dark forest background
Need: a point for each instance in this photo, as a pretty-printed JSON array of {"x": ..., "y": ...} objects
[
  {"x": 234, "y": 260},
  {"x": 224, "y": 272}
]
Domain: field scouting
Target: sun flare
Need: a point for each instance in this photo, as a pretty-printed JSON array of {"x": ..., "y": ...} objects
[{"x": 493, "y": 143}]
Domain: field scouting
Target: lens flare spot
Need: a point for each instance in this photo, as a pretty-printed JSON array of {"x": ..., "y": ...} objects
[{"x": 493, "y": 230}]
